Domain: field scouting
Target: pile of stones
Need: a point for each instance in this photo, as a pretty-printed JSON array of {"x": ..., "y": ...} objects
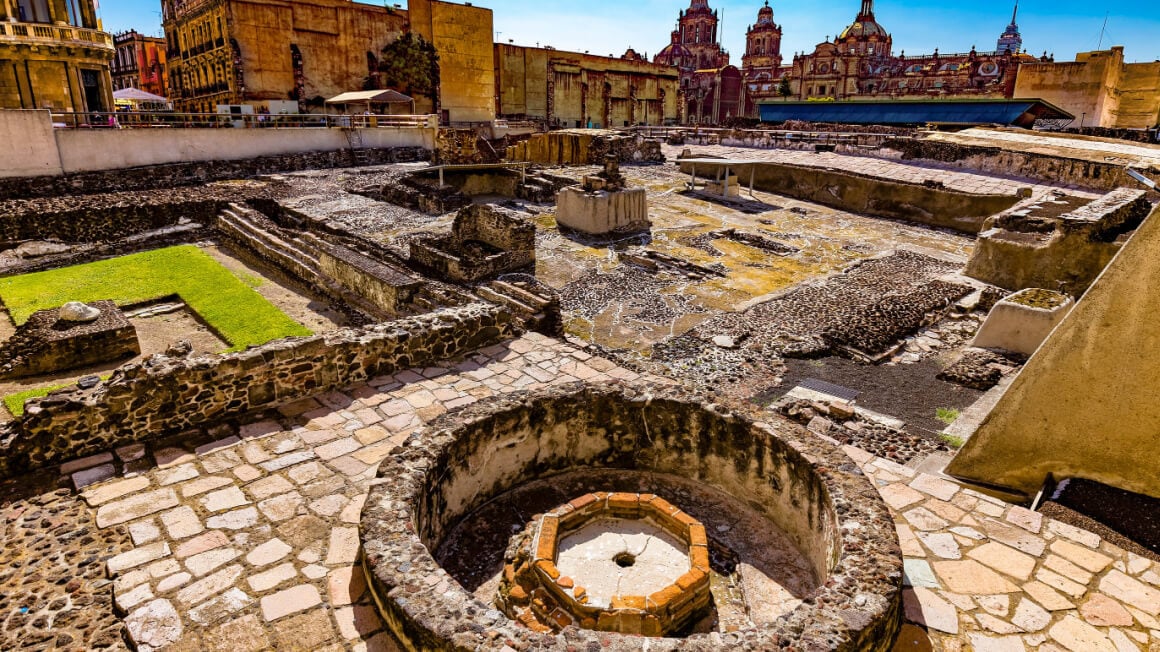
[
  {"x": 982, "y": 369},
  {"x": 846, "y": 428}
]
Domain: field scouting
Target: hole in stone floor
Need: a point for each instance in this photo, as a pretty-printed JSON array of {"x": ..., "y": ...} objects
[{"x": 625, "y": 559}]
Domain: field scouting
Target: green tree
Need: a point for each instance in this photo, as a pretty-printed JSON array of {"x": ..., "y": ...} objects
[
  {"x": 409, "y": 65},
  {"x": 783, "y": 88}
]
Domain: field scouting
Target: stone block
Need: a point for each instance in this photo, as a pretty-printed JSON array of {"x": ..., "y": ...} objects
[{"x": 602, "y": 212}]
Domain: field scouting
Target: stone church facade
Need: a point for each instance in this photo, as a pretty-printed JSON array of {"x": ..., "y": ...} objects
[{"x": 858, "y": 63}]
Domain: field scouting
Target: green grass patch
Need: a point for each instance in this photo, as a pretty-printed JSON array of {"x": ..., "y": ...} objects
[
  {"x": 252, "y": 280},
  {"x": 947, "y": 415},
  {"x": 953, "y": 441},
  {"x": 240, "y": 315},
  {"x": 15, "y": 402}
]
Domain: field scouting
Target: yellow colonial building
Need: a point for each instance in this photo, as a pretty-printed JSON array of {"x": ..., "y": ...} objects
[
  {"x": 279, "y": 55},
  {"x": 570, "y": 89},
  {"x": 53, "y": 55}
]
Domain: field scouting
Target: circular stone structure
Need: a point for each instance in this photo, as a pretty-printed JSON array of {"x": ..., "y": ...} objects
[
  {"x": 613, "y": 562},
  {"x": 793, "y": 483}
]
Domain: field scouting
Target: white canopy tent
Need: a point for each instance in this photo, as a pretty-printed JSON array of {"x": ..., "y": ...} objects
[{"x": 135, "y": 98}]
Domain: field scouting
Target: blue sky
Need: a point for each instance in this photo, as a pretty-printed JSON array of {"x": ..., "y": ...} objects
[{"x": 611, "y": 26}]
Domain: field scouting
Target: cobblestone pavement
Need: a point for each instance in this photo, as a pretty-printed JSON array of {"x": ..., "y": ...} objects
[
  {"x": 911, "y": 172},
  {"x": 53, "y": 589},
  {"x": 250, "y": 542}
]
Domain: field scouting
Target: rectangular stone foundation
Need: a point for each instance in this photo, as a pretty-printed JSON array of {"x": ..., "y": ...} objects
[{"x": 50, "y": 345}]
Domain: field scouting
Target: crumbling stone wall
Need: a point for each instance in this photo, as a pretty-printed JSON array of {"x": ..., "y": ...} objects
[
  {"x": 114, "y": 216},
  {"x": 1024, "y": 249},
  {"x": 171, "y": 393},
  {"x": 192, "y": 174},
  {"x": 485, "y": 241},
  {"x": 803, "y": 485},
  {"x": 46, "y": 344},
  {"x": 586, "y": 147},
  {"x": 993, "y": 160},
  {"x": 868, "y": 195}
]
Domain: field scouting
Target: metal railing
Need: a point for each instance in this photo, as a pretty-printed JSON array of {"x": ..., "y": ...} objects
[
  {"x": 150, "y": 119},
  {"x": 41, "y": 33}
]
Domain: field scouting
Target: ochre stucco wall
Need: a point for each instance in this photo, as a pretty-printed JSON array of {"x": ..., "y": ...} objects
[
  {"x": 1098, "y": 87},
  {"x": 1085, "y": 404},
  {"x": 637, "y": 91},
  {"x": 462, "y": 36}
]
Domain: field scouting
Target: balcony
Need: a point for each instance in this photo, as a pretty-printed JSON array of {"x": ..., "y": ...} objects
[{"x": 43, "y": 34}]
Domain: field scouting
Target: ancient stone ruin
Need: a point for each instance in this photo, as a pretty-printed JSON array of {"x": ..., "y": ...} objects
[
  {"x": 1021, "y": 322},
  {"x": 454, "y": 489},
  {"x": 1060, "y": 243},
  {"x": 451, "y": 187},
  {"x": 74, "y": 336},
  {"x": 603, "y": 205},
  {"x": 586, "y": 147},
  {"x": 485, "y": 242}
]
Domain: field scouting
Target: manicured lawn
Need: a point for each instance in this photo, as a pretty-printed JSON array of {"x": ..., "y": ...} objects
[{"x": 229, "y": 305}]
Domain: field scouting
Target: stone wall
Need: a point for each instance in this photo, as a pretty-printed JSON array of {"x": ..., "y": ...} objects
[
  {"x": 586, "y": 147},
  {"x": 993, "y": 160},
  {"x": 463, "y": 36},
  {"x": 387, "y": 288},
  {"x": 1084, "y": 406},
  {"x": 485, "y": 241},
  {"x": 1022, "y": 249},
  {"x": 197, "y": 173},
  {"x": 867, "y": 195},
  {"x": 169, "y": 394}
]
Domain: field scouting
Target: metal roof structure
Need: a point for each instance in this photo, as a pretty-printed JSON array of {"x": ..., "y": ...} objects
[
  {"x": 969, "y": 112},
  {"x": 373, "y": 97}
]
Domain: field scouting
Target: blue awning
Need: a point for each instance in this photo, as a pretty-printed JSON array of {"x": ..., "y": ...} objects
[{"x": 1020, "y": 113}]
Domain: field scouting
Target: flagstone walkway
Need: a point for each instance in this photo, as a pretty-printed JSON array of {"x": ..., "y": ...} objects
[{"x": 248, "y": 538}]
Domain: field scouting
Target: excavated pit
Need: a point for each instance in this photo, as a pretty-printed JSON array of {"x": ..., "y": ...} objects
[{"x": 794, "y": 530}]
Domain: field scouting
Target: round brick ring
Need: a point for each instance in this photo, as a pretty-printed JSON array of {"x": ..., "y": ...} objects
[{"x": 803, "y": 485}]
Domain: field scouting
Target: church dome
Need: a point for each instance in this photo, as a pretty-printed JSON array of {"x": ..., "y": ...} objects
[
  {"x": 864, "y": 25},
  {"x": 863, "y": 29},
  {"x": 765, "y": 15}
]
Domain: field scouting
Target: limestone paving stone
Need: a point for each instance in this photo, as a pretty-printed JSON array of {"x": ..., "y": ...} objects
[{"x": 289, "y": 601}]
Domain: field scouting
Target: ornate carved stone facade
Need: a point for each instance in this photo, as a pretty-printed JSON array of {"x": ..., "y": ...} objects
[
  {"x": 140, "y": 63},
  {"x": 860, "y": 62},
  {"x": 710, "y": 87},
  {"x": 257, "y": 52},
  {"x": 53, "y": 55},
  {"x": 761, "y": 64}
]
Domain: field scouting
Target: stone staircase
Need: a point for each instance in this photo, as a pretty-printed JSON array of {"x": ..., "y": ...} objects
[
  {"x": 533, "y": 304},
  {"x": 294, "y": 254}
]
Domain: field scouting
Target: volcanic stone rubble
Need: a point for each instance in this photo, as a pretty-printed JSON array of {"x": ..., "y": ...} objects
[
  {"x": 867, "y": 309},
  {"x": 848, "y": 430}
]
